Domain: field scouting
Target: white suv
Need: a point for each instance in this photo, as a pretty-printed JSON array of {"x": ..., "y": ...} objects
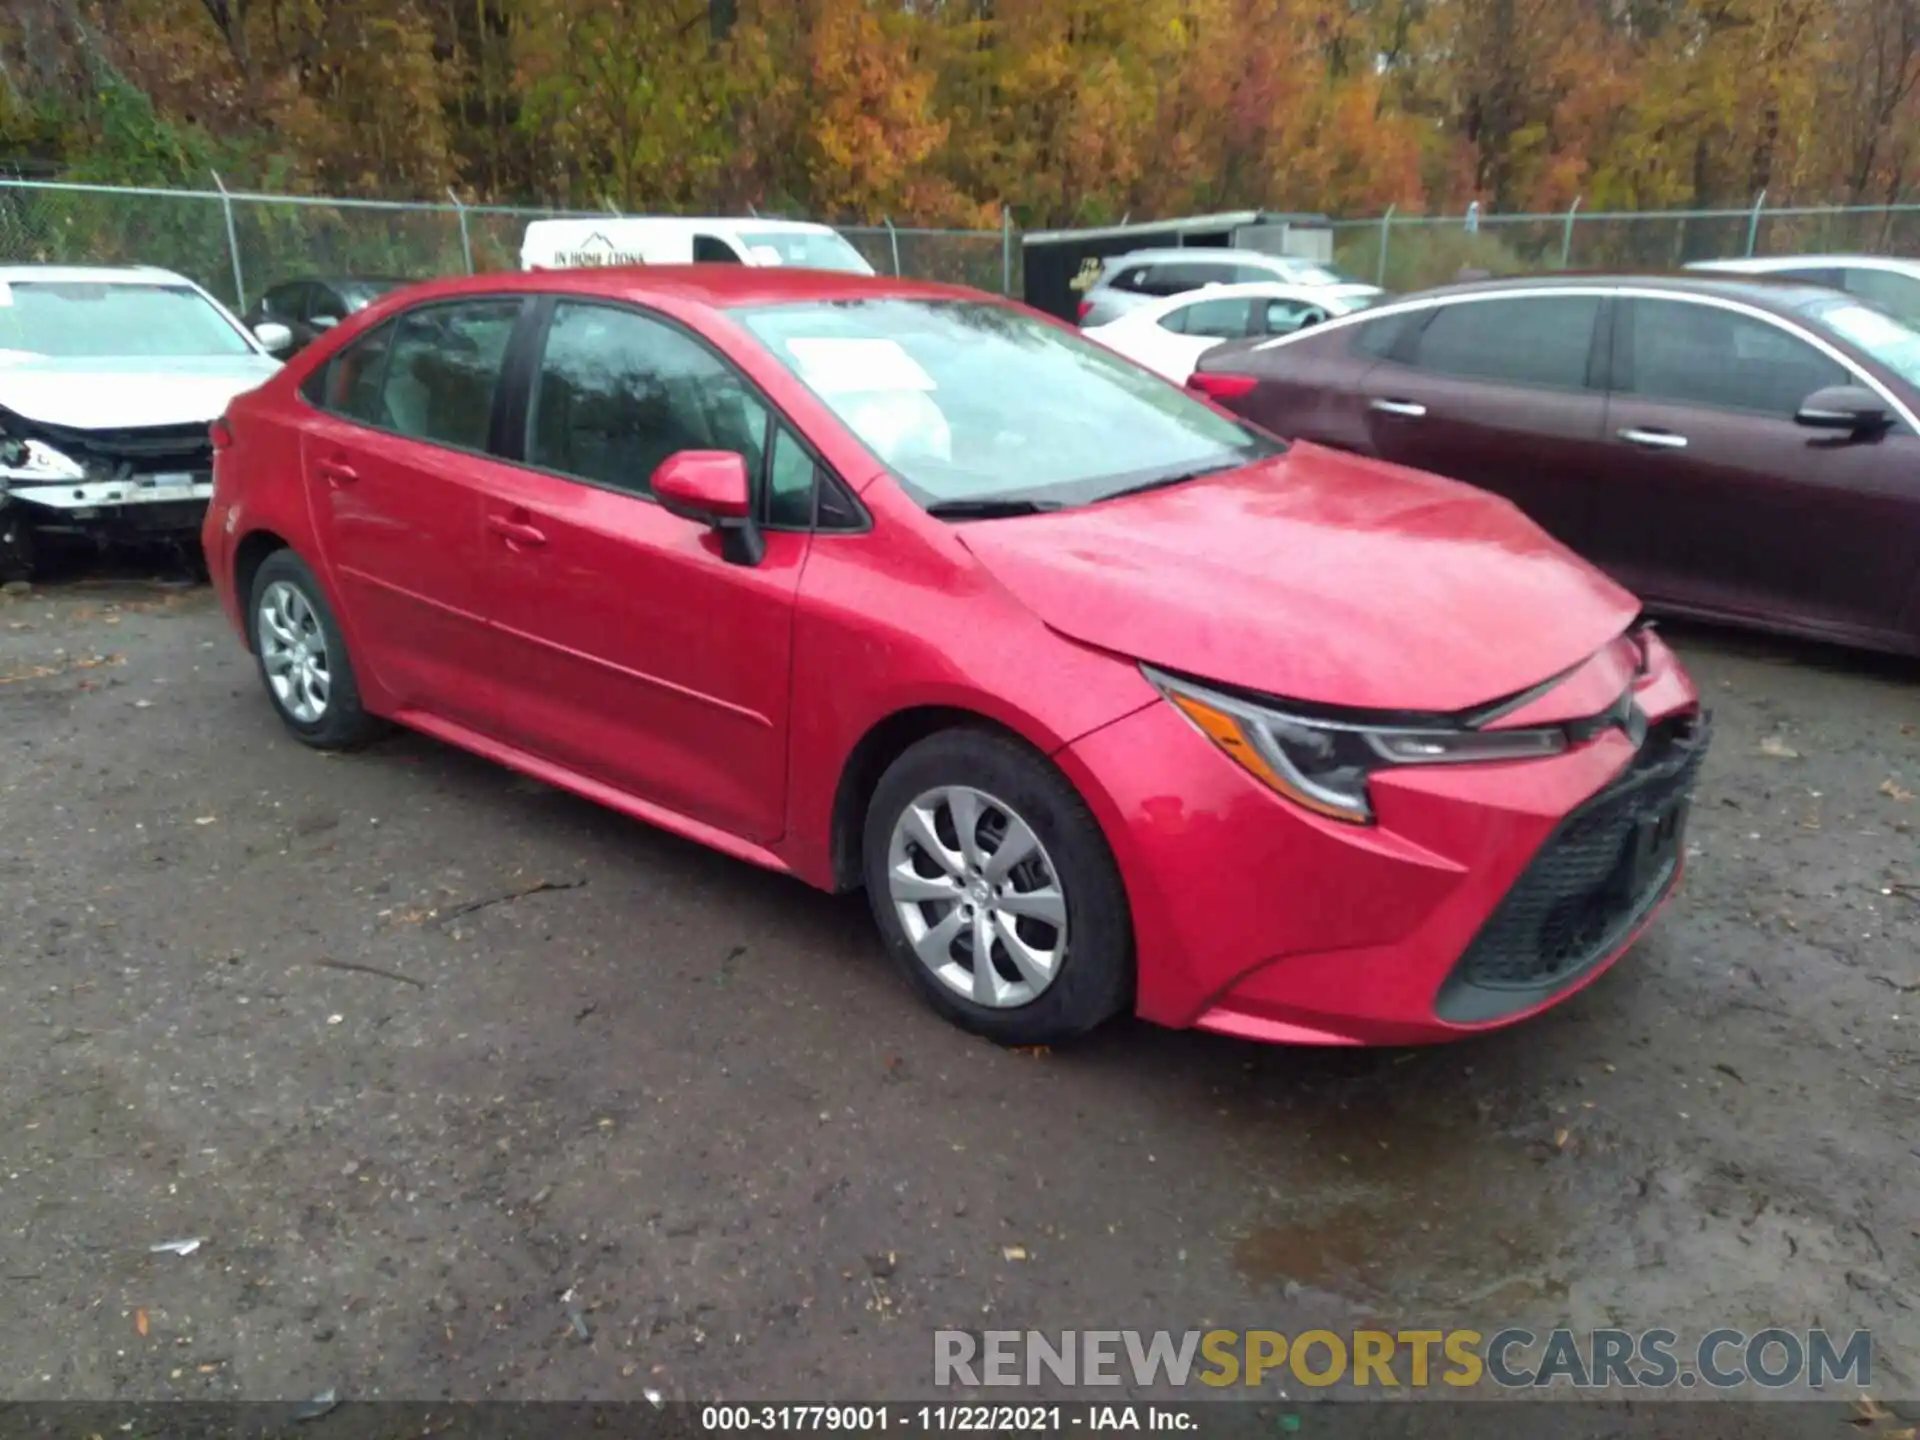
[{"x": 1140, "y": 277}]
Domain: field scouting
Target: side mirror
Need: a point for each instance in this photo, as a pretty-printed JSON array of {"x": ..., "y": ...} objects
[
  {"x": 711, "y": 488},
  {"x": 324, "y": 322},
  {"x": 277, "y": 338},
  {"x": 1853, "y": 409}
]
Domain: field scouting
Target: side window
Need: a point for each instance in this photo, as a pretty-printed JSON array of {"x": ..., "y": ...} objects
[
  {"x": 283, "y": 302},
  {"x": 1223, "y": 319},
  {"x": 1377, "y": 339},
  {"x": 444, "y": 371},
  {"x": 1134, "y": 279},
  {"x": 1180, "y": 277},
  {"x": 1892, "y": 290},
  {"x": 1537, "y": 340},
  {"x": 619, "y": 392},
  {"x": 790, "y": 478},
  {"x": 352, "y": 381},
  {"x": 1829, "y": 277},
  {"x": 1694, "y": 354},
  {"x": 1254, "y": 274},
  {"x": 1283, "y": 317},
  {"x": 712, "y": 250},
  {"x": 325, "y": 304}
]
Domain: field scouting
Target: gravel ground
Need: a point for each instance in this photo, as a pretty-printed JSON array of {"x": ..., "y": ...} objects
[{"x": 474, "y": 1090}]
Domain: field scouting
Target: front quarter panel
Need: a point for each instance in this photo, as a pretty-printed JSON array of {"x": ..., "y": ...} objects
[{"x": 903, "y": 618}]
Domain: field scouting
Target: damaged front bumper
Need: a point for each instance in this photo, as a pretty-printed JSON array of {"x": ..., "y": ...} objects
[{"x": 107, "y": 485}]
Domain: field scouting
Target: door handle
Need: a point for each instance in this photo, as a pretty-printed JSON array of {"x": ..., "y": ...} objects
[
  {"x": 338, "y": 472},
  {"x": 516, "y": 532},
  {"x": 1653, "y": 439},
  {"x": 1407, "y": 408}
]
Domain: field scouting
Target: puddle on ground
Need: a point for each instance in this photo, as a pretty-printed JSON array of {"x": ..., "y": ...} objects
[{"x": 1379, "y": 1206}]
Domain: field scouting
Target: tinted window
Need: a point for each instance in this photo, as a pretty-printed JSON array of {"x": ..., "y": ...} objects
[
  {"x": 1829, "y": 276},
  {"x": 445, "y": 368},
  {"x": 284, "y": 302},
  {"x": 619, "y": 392},
  {"x": 1177, "y": 279},
  {"x": 1378, "y": 338},
  {"x": 1693, "y": 354},
  {"x": 325, "y": 304},
  {"x": 1891, "y": 290},
  {"x": 1526, "y": 340},
  {"x": 1133, "y": 278},
  {"x": 712, "y": 250},
  {"x": 354, "y": 377}
]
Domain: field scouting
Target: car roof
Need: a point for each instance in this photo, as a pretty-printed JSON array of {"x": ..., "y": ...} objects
[
  {"x": 554, "y": 223},
  {"x": 720, "y": 286},
  {"x": 1257, "y": 289},
  {"x": 343, "y": 282},
  {"x": 1207, "y": 254},
  {"x": 90, "y": 275},
  {"x": 1762, "y": 263},
  {"x": 1764, "y": 291}
]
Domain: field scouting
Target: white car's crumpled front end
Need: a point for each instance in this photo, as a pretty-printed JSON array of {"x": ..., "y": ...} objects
[{"x": 117, "y": 444}]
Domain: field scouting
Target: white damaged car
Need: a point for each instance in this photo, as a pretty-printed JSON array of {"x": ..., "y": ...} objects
[{"x": 109, "y": 380}]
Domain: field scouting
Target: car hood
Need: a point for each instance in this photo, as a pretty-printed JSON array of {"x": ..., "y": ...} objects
[
  {"x": 121, "y": 394},
  {"x": 1316, "y": 576}
]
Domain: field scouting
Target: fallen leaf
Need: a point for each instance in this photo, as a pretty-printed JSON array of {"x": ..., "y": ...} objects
[
  {"x": 1015, "y": 1252},
  {"x": 140, "y": 1321},
  {"x": 1910, "y": 1433},
  {"x": 1035, "y": 1050},
  {"x": 1560, "y": 1138},
  {"x": 1868, "y": 1411},
  {"x": 1779, "y": 749},
  {"x": 1895, "y": 790},
  {"x": 204, "y": 820}
]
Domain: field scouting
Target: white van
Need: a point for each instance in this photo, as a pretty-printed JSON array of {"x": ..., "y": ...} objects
[{"x": 674, "y": 240}]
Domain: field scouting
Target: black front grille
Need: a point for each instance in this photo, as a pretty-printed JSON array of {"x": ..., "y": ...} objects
[
  {"x": 162, "y": 448},
  {"x": 1596, "y": 877}
]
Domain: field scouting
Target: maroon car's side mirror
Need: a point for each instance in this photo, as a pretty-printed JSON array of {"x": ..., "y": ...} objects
[
  {"x": 1853, "y": 409},
  {"x": 712, "y": 488}
]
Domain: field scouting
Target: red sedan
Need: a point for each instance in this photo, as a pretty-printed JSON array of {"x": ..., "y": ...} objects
[{"x": 1108, "y": 699}]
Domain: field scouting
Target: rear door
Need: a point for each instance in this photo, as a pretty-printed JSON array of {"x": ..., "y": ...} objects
[
  {"x": 1718, "y": 501},
  {"x": 637, "y": 654},
  {"x": 1186, "y": 332},
  {"x": 391, "y": 462},
  {"x": 1499, "y": 391}
]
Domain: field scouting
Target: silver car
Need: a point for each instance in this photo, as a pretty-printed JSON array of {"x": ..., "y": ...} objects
[
  {"x": 1141, "y": 277},
  {"x": 1884, "y": 280}
]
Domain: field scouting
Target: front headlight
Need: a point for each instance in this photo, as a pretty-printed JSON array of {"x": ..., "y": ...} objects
[
  {"x": 36, "y": 460},
  {"x": 1323, "y": 764}
]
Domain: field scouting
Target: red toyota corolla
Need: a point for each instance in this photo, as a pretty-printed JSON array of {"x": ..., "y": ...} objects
[{"x": 1107, "y": 699}]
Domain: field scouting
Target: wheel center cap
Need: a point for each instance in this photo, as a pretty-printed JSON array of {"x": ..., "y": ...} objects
[{"x": 979, "y": 892}]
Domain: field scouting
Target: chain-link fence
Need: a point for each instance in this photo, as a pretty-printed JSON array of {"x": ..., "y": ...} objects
[
  {"x": 239, "y": 245},
  {"x": 1410, "y": 252}
]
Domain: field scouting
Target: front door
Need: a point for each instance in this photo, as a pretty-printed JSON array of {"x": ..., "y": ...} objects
[
  {"x": 1720, "y": 502},
  {"x": 639, "y": 655},
  {"x": 1498, "y": 392},
  {"x": 390, "y": 465}
]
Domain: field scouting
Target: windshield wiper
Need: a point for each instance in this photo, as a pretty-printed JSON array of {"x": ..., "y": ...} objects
[
  {"x": 989, "y": 507},
  {"x": 1163, "y": 482}
]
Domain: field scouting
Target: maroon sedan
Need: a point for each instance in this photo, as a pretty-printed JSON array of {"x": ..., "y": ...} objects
[{"x": 1733, "y": 449}]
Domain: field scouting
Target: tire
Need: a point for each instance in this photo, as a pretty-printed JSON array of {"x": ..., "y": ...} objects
[
  {"x": 1090, "y": 977},
  {"x": 16, "y": 545},
  {"x": 310, "y": 637}
]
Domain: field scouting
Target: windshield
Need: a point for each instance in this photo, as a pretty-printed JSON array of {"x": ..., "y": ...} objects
[
  {"x": 810, "y": 249},
  {"x": 87, "y": 320},
  {"x": 971, "y": 403},
  {"x": 1890, "y": 342}
]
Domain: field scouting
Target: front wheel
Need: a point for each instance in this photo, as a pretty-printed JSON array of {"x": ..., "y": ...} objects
[
  {"x": 995, "y": 890},
  {"x": 303, "y": 657}
]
